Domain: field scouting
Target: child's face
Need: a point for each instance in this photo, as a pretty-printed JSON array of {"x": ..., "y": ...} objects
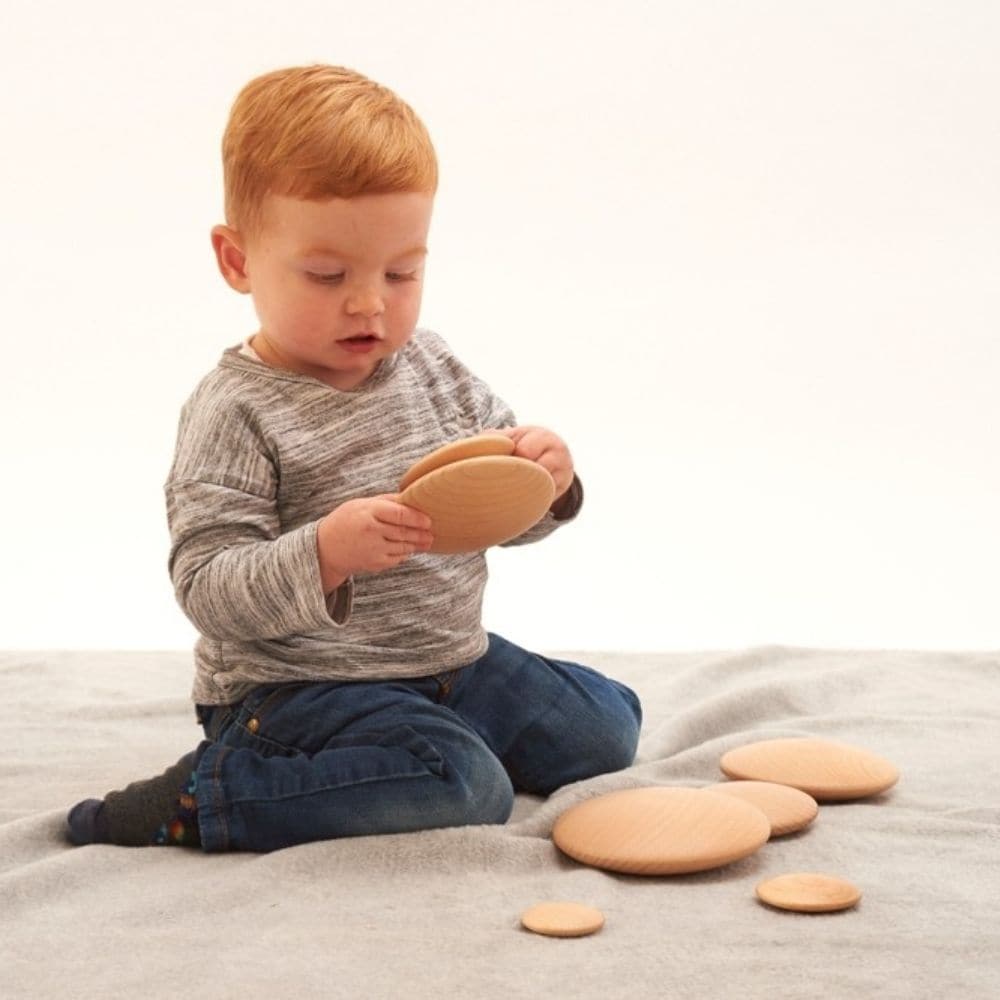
[{"x": 325, "y": 271}]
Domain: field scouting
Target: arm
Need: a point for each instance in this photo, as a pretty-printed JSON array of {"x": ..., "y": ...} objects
[
  {"x": 236, "y": 574},
  {"x": 236, "y": 577}
]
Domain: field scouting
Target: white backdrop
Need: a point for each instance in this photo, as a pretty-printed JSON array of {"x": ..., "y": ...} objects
[{"x": 742, "y": 256}]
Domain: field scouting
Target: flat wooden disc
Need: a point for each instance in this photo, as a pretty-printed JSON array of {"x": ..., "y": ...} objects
[
  {"x": 809, "y": 892},
  {"x": 563, "y": 919},
  {"x": 787, "y": 809},
  {"x": 828, "y": 771},
  {"x": 479, "y": 502},
  {"x": 455, "y": 451},
  {"x": 660, "y": 831}
]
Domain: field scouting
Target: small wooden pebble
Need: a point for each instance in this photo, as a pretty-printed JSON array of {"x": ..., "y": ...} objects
[
  {"x": 563, "y": 919},
  {"x": 787, "y": 809},
  {"x": 809, "y": 892},
  {"x": 826, "y": 770}
]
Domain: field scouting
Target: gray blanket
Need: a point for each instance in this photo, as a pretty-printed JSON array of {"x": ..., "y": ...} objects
[{"x": 436, "y": 913}]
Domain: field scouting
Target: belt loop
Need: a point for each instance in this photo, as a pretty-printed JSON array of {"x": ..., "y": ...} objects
[{"x": 446, "y": 681}]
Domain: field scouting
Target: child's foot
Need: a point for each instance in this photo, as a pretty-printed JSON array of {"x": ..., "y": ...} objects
[{"x": 160, "y": 810}]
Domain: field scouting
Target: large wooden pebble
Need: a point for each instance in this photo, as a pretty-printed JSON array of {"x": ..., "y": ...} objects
[
  {"x": 477, "y": 494},
  {"x": 660, "y": 831},
  {"x": 809, "y": 892},
  {"x": 826, "y": 770},
  {"x": 563, "y": 919},
  {"x": 787, "y": 809}
]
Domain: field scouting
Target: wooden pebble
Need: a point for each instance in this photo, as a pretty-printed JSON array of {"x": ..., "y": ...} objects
[
  {"x": 787, "y": 809},
  {"x": 660, "y": 831},
  {"x": 456, "y": 451},
  {"x": 809, "y": 892},
  {"x": 563, "y": 919},
  {"x": 476, "y": 497},
  {"x": 826, "y": 770}
]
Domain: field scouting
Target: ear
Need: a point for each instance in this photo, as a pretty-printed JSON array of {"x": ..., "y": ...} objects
[{"x": 231, "y": 258}]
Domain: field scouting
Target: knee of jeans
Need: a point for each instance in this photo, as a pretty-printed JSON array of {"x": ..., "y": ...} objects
[
  {"x": 482, "y": 793},
  {"x": 635, "y": 706},
  {"x": 615, "y": 746},
  {"x": 621, "y": 751}
]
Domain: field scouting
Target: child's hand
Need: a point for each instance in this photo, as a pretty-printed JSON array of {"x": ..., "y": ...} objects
[
  {"x": 547, "y": 449},
  {"x": 370, "y": 534}
]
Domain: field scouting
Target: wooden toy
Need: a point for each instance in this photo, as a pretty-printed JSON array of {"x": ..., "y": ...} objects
[
  {"x": 477, "y": 493},
  {"x": 455, "y": 451},
  {"x": 563, "y": 919},
  {"x": 828, "y": 771},
  {"x": 660, "y": 831},
  {"x": 786, "y": 808},
  {"x": 808, "y": 892}
]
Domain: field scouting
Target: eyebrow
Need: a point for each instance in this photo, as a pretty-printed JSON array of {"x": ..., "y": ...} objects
[{"x": 331, "y": 252}]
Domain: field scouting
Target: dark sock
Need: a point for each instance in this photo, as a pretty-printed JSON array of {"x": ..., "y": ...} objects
[
  {"x": 88, "y": 824},
  {"x": 182, "y": 828},
  {"x": 160, "y": 810}
]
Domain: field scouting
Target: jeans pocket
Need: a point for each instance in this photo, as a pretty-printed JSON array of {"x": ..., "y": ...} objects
[
  {"x": 258, "y": 717},
  {"x": 262, "y": 702}
]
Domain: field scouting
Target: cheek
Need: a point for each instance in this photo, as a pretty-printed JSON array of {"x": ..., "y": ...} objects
[
  {"x": 310, "y": 306},
  {"x": 296, "y": 319},
  {"x": 409, "y": 300},
  {"x": 281, "y": 304}
]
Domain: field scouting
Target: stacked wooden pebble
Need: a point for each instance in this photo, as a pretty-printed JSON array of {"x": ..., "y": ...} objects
[{"x": 477, "y": 493}]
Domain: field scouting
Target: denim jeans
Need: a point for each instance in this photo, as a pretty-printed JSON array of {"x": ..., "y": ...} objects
[{"x": 306, "y": 761}]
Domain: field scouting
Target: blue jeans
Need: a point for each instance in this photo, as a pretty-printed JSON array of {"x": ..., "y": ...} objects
[{"x": 297, "y": 762}]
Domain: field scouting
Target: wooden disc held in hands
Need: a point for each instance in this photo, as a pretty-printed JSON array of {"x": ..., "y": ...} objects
[
  {"x": 455, "y": 451},
  {"x": 477, "y": 494},
  {"x": 828, "y": 771},
  {"x": 660, "y": 831}
]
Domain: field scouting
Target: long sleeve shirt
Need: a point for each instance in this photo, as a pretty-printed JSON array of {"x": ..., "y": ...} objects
[{"x": 262, "y": 455}]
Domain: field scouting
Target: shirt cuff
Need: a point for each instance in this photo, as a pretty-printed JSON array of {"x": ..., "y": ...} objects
[
  {"x": 339, "y": 602},
  {"x": 569, "y": 504}
]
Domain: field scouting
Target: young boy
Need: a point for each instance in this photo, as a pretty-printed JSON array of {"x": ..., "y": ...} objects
[{"x": 344, "y": 679}]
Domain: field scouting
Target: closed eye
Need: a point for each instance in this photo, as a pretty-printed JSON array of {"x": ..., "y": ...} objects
[{"x": 328, "y": 279}]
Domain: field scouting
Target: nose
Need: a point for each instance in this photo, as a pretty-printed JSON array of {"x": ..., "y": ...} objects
[{"x": 366, "y": 301}]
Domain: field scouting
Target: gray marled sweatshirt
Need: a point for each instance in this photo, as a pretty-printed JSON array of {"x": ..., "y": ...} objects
[{"x": 262, "y": 456}]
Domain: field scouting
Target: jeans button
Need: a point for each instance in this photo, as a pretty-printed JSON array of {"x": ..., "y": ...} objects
[{"x": 253, "y": 725}]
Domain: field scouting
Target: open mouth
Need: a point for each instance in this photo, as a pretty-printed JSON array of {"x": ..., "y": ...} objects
[{"x": 361, "y": 344}]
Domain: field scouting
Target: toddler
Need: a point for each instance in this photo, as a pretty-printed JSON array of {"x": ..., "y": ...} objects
[{"x": 343, "y": 678}]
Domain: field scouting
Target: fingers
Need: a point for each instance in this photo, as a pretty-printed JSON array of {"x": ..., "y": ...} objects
[
  {"x": 543, "y": 449},
  {"x": 399, "y": 544},
  {"x": 514, "y": 433},
  {"x": 529, "y": 442},
  {"x": 538, "y": 444},
  {"x": 401, "y": 515},
  {"x": 404, "y": 525},
  {"x": 411, "y": 541},
  {"x": 402, "y": 553}
]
